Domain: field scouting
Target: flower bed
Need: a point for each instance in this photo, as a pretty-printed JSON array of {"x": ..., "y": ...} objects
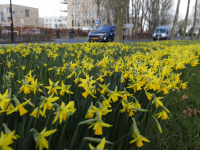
[{"x": 90, "y": 95}]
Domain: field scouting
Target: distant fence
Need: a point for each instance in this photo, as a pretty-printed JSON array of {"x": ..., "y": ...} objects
[
  {"x": 49, "y": 31},
  {"x": 25, "y": 38}
]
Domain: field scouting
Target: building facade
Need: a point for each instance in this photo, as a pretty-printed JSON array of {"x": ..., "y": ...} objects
[
  {"x": 28, "y": 16},
  {"x": 83, "y": 14},
  {"x": 55, "y": 22}
]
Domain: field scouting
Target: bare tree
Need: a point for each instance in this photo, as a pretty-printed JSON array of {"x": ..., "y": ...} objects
[
  {"x": 186, "y": 20},
  {"x": 198, "y": 9},
  {"x": 195, "y": 16},
  {"x": 151, "y": 13},
  {"x": 175, "y": 20},
  {"x": 120, "y": 23}
]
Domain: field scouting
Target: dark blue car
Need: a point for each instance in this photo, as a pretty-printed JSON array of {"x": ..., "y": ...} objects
[{"x": 102, "y": 34}]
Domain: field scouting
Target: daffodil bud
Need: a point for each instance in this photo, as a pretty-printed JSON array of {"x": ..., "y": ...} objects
[
  {"x": 96, "y": 140},
  {"x": 87, "y": 121},
  {"x": 158, "y": 124},
  {"x": 135, "y": 129},
  {"x": 7, "y": 130}
]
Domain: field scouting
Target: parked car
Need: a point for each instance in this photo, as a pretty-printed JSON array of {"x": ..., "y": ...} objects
[
  {"x": 5, "y": 31},
  {"x": 32, "y": 31},
  {"x": 162, "y": 33},
  {"x": 103, "y": 34}
]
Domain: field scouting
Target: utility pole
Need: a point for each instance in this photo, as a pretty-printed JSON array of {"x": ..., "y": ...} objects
[{"x": 11, "y": 24}]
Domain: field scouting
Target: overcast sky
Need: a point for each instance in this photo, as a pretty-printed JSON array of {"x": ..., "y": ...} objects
[{"x": 52, "y": 7}]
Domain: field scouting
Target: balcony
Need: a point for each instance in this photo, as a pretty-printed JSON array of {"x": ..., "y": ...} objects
[
  {"x": 63, "y": 1},
  {"x": 63, "y": 18},
  {"x": 63, "y": 10}
]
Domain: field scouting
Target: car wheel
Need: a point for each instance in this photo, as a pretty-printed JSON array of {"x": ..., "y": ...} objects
[{"x": 109, "y": 39}]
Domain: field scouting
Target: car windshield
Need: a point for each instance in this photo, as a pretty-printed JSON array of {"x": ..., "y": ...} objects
[
  {"x": 103, "y": 29},
  {"x": 160, "y": 31}
]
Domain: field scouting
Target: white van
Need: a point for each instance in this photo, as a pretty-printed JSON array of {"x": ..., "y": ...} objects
[{"x": 162, "y": 33}]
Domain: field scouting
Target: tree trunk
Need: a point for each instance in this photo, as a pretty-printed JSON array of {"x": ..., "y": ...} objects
[
  {"x": 195, "y": 15},
  {"x": 120, "y": 23},
  {"x": 175, "y": 20},
  {"x": 107, "y": 6},
  {"x": 141, "y": 25},
  {"x": 186, "y": 19},
  {"x": 132, "y": 19}
]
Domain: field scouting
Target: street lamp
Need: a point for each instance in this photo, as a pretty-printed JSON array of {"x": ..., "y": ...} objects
[
  {"x": 11, "y": 24},
  {"x": 21, "y": 21}
]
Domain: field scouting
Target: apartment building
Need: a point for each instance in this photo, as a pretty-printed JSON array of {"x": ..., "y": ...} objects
[
  {"x": 82, "y": 13},
  {"x": 55, "y": 22},
  {"x": 28, "y": 16}
]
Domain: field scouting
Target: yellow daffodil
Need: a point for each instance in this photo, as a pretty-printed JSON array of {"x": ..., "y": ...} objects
[
  {"x": 39, "y": 138},
  {"x": 87, "y": 82},
  {"x": 163, "y": 114},
  {"x": 102, "y": 110},
  {"x": 47, "y": 102},
  {"x": 90, "y": 112},
  {"x": 65, "y": 88},
  {"x": 138, "y": 139},
  {"x": 35, "y": 86},
  {"x": 64, "y": 111},
  {"x": 157, "y": 101},
  {"x": 100, "y": 146},
  {"x": 6, "y": 140},
  {"x": 53, "y": 87},
  {"x": 29, "y": 77},
  {"x": 4, "y": 100},
  {"x": 36, "y": 111},
  {"x": 23, "y": 67},
  {"x": 97, "y": 127},
  {"x": 114, "y": 95},
  {"x": 8, "y": 131},
  {"x": 19, "y": 107}
]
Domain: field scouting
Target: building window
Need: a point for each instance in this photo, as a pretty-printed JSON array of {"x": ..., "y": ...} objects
[
  {"x": 4, "y": 10},
  {"x": 79, "y": 6},
  {"x": 76, "y": 15},
  {"x": 46, "y": 25},
  {"x": 75, "y": 23},
  {"x": 84, "y": 23},
  {"x": 93, "y": 6},
  {"x": 75, "y": 6},
  {"x": 84, "y": 15},
  {"x": 47, "y": 20},
  {"x": 87, "y": 13},
  {"x": 72, "y": 15},
  {"x": 79, "y": 15},
  {"x": 50, "y": 20},
  {"x": 54, "y": 19},
  {"x": 9, "y": 19},
  {"x": 72, "y": 23},
  {"x": 55, "y": 25},
  {"x": 26, "y": 13},
  {"x": 78, "y": 23},
  {"x": 8, "y": 10},
  {"x": 84, "y": 6},
  {"x": 59, "y": 20},
  {"x": 72, "y": 6}
]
